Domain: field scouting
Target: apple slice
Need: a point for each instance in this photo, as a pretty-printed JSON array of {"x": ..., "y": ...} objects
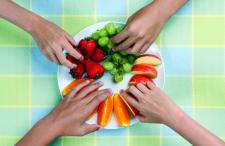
[
  {"x": 148, "y": 59},
  {"x": 140, "y": 79},
  {"x": 145, "y": 69}
]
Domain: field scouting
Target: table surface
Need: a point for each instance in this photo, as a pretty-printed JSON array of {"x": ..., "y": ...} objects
[{"x": 192, "y": 44}]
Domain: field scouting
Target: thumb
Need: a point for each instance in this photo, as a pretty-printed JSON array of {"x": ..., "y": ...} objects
[{"x": 89, "y": 128}]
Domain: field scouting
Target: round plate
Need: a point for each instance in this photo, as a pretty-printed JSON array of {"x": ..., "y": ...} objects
[{"x": 64, "y": 78}]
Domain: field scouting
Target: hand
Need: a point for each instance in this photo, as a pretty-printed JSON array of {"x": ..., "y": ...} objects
[
  {"x": 141, "y": 30},
  {"x": 52, "y": 40},
  {"x": 153, "y": 104},
  {"x": 69, "y": 117}
]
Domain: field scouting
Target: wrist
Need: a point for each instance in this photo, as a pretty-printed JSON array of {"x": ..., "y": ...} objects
[
  {"x": 35, "y": 22},
  {"x": 177, "y": 117},
  {"x": 164, "y": 9}
]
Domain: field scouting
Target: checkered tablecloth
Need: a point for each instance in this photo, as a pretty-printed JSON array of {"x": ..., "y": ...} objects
[{"x": 193, "y": 48}]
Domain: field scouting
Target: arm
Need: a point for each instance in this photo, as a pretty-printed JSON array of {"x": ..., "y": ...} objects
[
  {"x": 69, "y": 117},
  {"x": 51, "y": 39},
  {"x": 155, "y": 106},
  {"x": 143, "y": 27}
]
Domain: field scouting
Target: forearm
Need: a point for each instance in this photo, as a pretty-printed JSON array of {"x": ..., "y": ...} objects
[
  {"x": 41, "y": 134},
  {"x": 169, "y": 7},
  {"x": 18, "y": 15},
  {"x": 193, "y": 132}
]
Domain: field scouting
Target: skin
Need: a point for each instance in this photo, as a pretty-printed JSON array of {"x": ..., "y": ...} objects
[
  {"x": 50, "y": 38},
  {"x": 155, "y": 106},
  {"x": 144, "y": 26},
  {"x": 68, "y": 118}
]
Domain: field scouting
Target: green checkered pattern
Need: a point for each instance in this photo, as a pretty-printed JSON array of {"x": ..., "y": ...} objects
[{"x": 192, "y": 45}]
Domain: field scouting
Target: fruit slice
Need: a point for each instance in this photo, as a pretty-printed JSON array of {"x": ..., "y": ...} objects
[
  {"x": 148, "y": 59},
  {"x": 72, "y": 85},
  {"x": 120, "y": 111},
  {"x": 140, "y": 79},
  {"x": 93, "y": 113},
  {"x": 133, "y": 110},
  {"x": 105, "y": 110},
  {"x": 144, "y": 69}
]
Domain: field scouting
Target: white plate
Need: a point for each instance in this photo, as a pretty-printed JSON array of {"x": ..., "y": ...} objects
[{"x": 64, "y": 78}]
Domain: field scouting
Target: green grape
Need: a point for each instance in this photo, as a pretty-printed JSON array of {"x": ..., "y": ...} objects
[
  {"x": 113, "y": 71},
  {"x": 119, "y": 29},
  {"x": 118, "y": 78},
  {"x": 110, "y": 28},
  {"x": 131, "y": 59},
  {"x": 103, "y": 33},
  {"x": 110, "y": 45},
  {"x": 95, "y": 36},
  {"x": 127, "y": 67},
  {"x": 103, "y": 41},
  {"x": 116, "y": 57},
  {"x": 124, "y": 60},
  {"x": 123, "y": 52},
  {"x": 108, "y": 65}
]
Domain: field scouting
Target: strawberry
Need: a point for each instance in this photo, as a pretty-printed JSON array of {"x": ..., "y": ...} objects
[
  {"x": 71, "y": 58},
  {"x": 77, "y": 72},
  {"x": 87, "y": 47},
  {"x": 98, "y": 55},
  {"x": 93, "y": 69}
]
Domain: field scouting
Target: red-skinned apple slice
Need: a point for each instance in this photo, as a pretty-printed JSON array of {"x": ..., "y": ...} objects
[
  {"x": 148, "y": 59},
  {"x": 140, "y": 79},
  {"x": 145, "y": 69}
]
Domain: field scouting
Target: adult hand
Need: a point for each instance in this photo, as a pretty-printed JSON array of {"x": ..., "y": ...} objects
[{"x": 52, "y": 41}]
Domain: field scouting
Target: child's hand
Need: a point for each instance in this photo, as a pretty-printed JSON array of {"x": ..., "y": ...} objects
[
  {"x": 68, "y": 118},
  {"x": 70, "y": 115},
  {"x": 141, "y": 30},
  {"x": 52, "y": 40},
  {"x": 154, "y": 106}
]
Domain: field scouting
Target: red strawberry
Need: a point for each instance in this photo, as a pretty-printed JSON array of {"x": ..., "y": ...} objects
[
  {"x": 93, "y": 69},
  {"x": 71, "y": 58},
  {"x": 98, "y": 55},
  {"x": 87, "y": 47},
  {"x": 78, "y": 71},
  {"x": 82, "y": 44}
]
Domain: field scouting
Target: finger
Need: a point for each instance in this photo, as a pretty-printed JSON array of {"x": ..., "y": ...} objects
[
  {"x": 126, "y": 44},
  {"x": 87, "y": 90},
  {"x": 120, "y": 37},
  {"x": 76, "y": 89},
  {"x": 96, "y": 101},
  {"x": 62, "y": 59},
  {"x": 130, "y": 99},
  {"x": 89, "y": 128},
  {"x": 145, "y": 48},
  {"x": 91, "y": 96},
  {"x": 70, "y": 39},
  {"x": 140, "y": 118},
  {"x": 142, "y": 88},
  {"x": 137, "y": 47},
  {"x": 72, "y": 51},
  {"x": 137, "y": 93},
  {"x": 52, "y": 56},
  {"x": 150, "y": 85}
]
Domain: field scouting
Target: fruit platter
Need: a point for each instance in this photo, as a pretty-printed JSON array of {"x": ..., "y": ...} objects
[{"x": 116, "y": 69}]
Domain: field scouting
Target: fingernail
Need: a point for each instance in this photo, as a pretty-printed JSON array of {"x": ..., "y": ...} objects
[
  {"x": 110, "y": 91},
  {"x": 100, "y": 83},
  {"x": 81, "y": 58},
  {"x": 74, "y": 66},
  {"x": 87, "y": 81}
]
